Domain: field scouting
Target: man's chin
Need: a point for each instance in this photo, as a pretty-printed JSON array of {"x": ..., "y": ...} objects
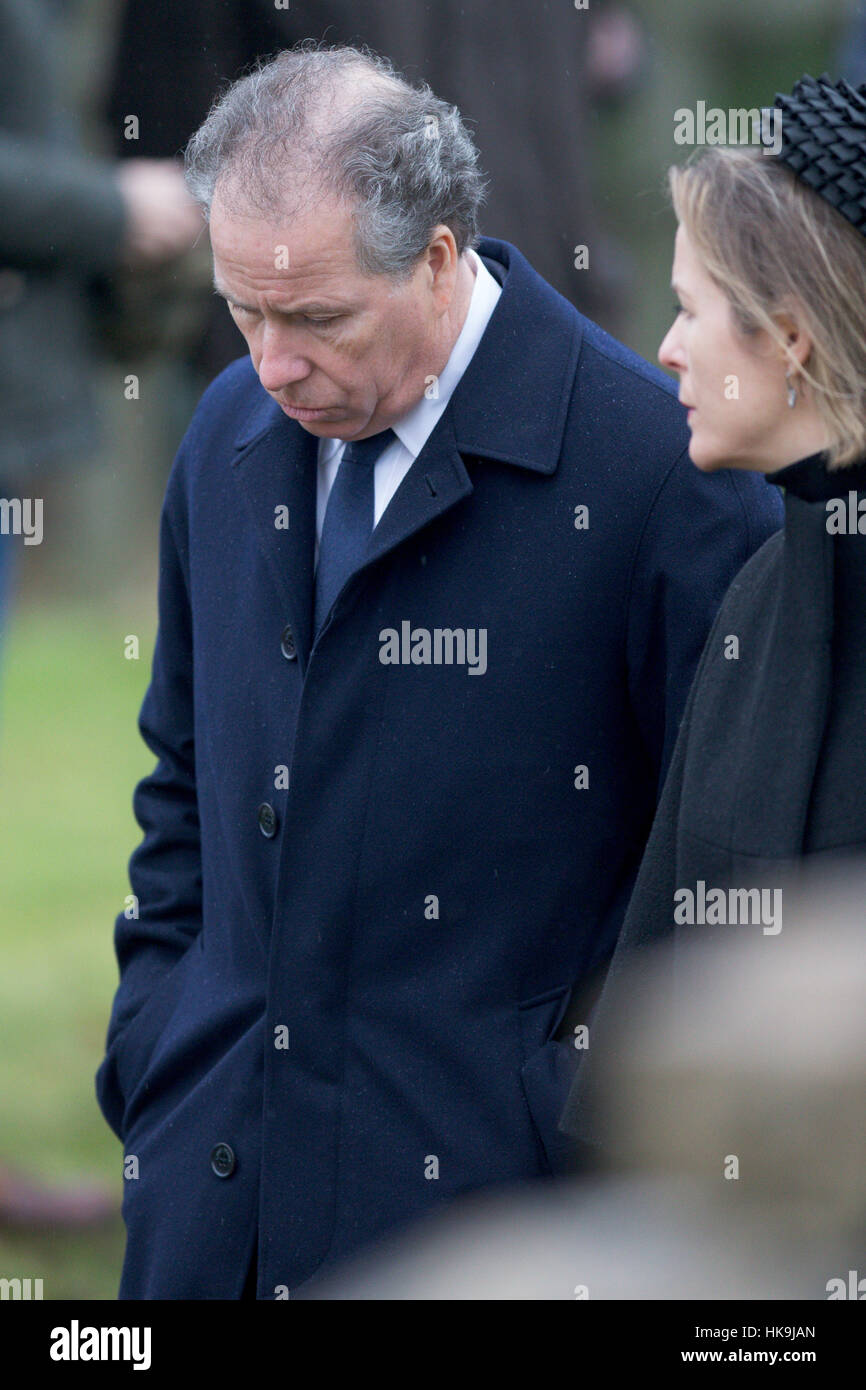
[{"x": 324, "y": 429}]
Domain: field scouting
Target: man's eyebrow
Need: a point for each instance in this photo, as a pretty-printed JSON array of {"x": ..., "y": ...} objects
[
  {"x": 311, "y": 308},
  {"x": 218, "y": 289}
]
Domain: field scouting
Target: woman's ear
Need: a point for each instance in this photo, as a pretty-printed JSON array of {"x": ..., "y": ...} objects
[{"x": 798, "y": 341}]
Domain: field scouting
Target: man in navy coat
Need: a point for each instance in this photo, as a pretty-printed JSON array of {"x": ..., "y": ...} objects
[{"x": 412, "y": 699}]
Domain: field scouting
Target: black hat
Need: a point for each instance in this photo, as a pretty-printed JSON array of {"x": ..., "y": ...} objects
[{"x": 824, "y": 142}]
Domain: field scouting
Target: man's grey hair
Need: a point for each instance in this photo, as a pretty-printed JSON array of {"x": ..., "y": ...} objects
[{"x": 340, "y": 120}]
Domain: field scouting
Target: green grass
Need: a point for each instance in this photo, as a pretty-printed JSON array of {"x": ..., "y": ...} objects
[{"x": 70, "y": 755}]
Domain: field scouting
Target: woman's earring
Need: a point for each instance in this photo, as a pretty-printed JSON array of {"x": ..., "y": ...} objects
[{"x": 792, "y": 390}]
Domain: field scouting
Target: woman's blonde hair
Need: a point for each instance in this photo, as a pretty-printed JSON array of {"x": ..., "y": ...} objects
[{"x": 774, "y": 246}]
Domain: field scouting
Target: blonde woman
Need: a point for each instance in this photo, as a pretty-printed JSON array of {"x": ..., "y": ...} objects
[{"x": 769, "y": 343}]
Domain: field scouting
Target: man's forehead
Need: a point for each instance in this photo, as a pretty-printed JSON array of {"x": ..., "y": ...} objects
[{"x": 303, "y": 239}]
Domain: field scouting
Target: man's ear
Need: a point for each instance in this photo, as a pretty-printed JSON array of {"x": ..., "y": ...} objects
[{"x": 442, "y": 261}]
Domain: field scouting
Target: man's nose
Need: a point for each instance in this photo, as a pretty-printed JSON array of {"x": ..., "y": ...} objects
[{"x": 282, "y": 362}]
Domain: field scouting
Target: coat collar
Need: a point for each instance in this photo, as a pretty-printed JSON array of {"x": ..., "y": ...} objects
[
  {"x": 512, "y": 402},
  {"x": 510, "y": 406}
]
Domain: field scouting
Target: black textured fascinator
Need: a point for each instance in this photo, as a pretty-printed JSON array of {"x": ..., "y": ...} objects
[{"x": 824, "y": 142}]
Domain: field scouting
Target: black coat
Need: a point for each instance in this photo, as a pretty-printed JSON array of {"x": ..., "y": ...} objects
[{"x": 769, "y": 769}]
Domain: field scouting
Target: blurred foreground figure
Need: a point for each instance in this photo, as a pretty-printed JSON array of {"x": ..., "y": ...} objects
[{"x": 736, "y": 1108}]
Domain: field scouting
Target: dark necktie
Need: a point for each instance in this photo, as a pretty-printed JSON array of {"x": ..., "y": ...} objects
[{"x": 348, "y": 522}]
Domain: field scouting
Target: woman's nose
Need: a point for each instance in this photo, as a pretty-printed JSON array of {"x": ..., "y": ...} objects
[{"x": 669, "y": 352}]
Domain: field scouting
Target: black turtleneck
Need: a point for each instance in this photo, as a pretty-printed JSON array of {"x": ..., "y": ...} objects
[
  {"x": 837, "y": 808},
  {"x": 811, "y": 480}
]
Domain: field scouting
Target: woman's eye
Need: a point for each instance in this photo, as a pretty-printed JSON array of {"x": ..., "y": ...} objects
[{"x": 678, "y": 309}]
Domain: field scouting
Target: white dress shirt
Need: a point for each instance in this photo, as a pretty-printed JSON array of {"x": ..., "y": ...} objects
[{"x": 416, "y": 426}]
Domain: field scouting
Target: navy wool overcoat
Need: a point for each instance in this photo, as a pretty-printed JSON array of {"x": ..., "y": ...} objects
[{"x": 376, "y": 866}]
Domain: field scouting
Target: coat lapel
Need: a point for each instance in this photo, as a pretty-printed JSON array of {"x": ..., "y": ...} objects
[
  {"x": 278, "y": 470},
  {"x": 436, "y": 481},
  {"x": 487, "y": 417}
]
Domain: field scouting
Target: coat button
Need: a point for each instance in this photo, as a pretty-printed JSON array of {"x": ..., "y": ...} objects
[
  {"x": 267, "y": 820},
  {"x": 222, "y": 1160},
  {"x": 287, "y": 645}
]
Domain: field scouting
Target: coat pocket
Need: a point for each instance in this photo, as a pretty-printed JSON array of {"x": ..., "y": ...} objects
[
  {"x": 137, "y": 1041},
  {"x": 547, "y": 1072}
]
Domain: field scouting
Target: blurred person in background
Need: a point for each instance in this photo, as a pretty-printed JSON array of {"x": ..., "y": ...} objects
[
  {"x": 769, "y": 344},
  {"x": 66, "y": 219},
  {"x": 529, "y": 79}
]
